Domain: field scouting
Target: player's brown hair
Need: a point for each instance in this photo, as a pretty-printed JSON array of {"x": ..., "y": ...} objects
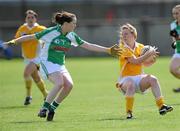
[
  {"x": 129, "y": 27},
  {"x": 31, "y": 12},
  {"x": 176, "y": 6},
  {"x": 61, "y": 17}
]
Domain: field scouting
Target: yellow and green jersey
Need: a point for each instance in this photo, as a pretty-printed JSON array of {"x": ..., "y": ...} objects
[
  {"x": 126, "y": 68},
  {"x": 175, "y": 26},
  {"x": 31, "y": 48},
  {"x": 57, "y": 44}
]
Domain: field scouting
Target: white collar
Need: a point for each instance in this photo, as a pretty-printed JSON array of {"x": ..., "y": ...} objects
[
  {"x": 35, "y": 24},
  {"x": 126, "y": 45}
]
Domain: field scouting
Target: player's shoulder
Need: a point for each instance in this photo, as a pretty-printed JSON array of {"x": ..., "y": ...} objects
[
  {"x": 22, "y": 27},
  {"x": 54, "y": 31},
  {"x": 52, "y": 28},
  {"x": 173, "y": 25},
  {"x": 39, "y": 27},
  {"x": 49, "y": 29},
  {"x": 139, "y": 45},
  {"x": 71, "y": 34},
  {"x": 173, "y": 22},
  {"x": 42, "y": 27}
]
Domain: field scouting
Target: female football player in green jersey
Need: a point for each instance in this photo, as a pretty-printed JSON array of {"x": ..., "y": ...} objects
[
  {"x": 58, "y": 40},
  {"x": 175, "y": 33}
]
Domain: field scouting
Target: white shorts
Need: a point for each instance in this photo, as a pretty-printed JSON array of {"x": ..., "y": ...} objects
[
  {"x": 47, "y": 67},
  {"x": 35, "y": 61},
  {"x": 136, "y": 80},
  {"x": 176, "y": 55}
]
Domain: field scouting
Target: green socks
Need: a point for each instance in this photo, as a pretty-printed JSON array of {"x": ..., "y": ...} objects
[
  {"x": 53, "y": 106},
  {"x": 46, "y": 105}
]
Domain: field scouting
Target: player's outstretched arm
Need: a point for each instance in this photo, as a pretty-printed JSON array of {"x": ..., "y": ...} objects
[
  {"x": 20, "y": 39},
  {"x": 115, "y": 50}
]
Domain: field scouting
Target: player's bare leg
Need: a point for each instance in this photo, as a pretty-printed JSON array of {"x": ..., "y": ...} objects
[
  {"x": 66, "y": 89},
  {"x": 175, "y": 67},
  {"x": 57, "y": 79},
  {"x": 175, "y": 70},
  {"x": 151, "y": 81},
  {"x": 28, "y": 83}
]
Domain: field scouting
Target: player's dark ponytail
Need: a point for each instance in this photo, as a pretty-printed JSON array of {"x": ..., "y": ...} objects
[{"x": 61, "y": 17}]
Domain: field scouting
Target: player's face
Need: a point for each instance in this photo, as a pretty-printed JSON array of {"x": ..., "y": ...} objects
[
  {"x": 127, "y": 36},
  {"x": 30, "y": 19},
  {"x": 72, "y": 25},
  {"x": 176, "y": 14}
]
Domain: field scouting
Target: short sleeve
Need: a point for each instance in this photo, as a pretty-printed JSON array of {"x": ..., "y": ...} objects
[
  {"x": 173, "y": 25},
  {"x": 51, "y": 31},
  {"x": 75, "y": 39},
  {"x": 18, "y": 33},
  {"x": 42, "y": 27}
]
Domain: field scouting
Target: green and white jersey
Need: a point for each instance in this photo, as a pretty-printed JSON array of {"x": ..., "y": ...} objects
[
  {"x": 176, "y": 27},
  {"x": 56, "y": 44}
]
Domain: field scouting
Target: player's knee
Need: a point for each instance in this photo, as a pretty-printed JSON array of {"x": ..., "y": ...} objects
[
  {"x": 69, "y": 86},
  {"x": 131, "y": 89},
  {"x": 153, "y": 80},
  {"x": 27, "y": 75}
]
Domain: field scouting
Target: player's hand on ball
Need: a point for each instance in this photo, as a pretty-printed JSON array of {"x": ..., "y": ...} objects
[
  {"x": 115, "y": 50},
  {"x": 153, "y": 51}
]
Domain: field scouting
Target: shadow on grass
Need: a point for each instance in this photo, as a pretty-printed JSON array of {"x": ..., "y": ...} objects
[
  {"x": 31, "y": 122},
  {"x": 175, "y": 104},
  {"x": 12, "y": 107},
  {"x": 172, "y": 104},
  {"x": 115, "y": 119},
  {"x": 25, "y": 122}
]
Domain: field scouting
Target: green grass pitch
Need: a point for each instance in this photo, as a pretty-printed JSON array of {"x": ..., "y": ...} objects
[{"x": 94, "y": 103}]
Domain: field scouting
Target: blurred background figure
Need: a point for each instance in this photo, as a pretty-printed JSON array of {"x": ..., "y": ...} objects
[
  {"x": 30, "y": 52},
  {"x": 175, "y": 33}
]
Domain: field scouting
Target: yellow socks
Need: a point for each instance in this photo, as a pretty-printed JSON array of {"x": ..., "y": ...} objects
[
  {"x": 28, "y": 84},
  {"x": 42, "y": 88},
  {"x": 160, "y": 102},
  {"x": 129, "y": 103}
]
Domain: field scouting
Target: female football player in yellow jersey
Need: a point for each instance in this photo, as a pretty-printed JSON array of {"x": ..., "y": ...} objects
[
  {"x": 30, "y": 52},
  {"x": 132, "y": 79},
  {"x": 175, "y": 33}
]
